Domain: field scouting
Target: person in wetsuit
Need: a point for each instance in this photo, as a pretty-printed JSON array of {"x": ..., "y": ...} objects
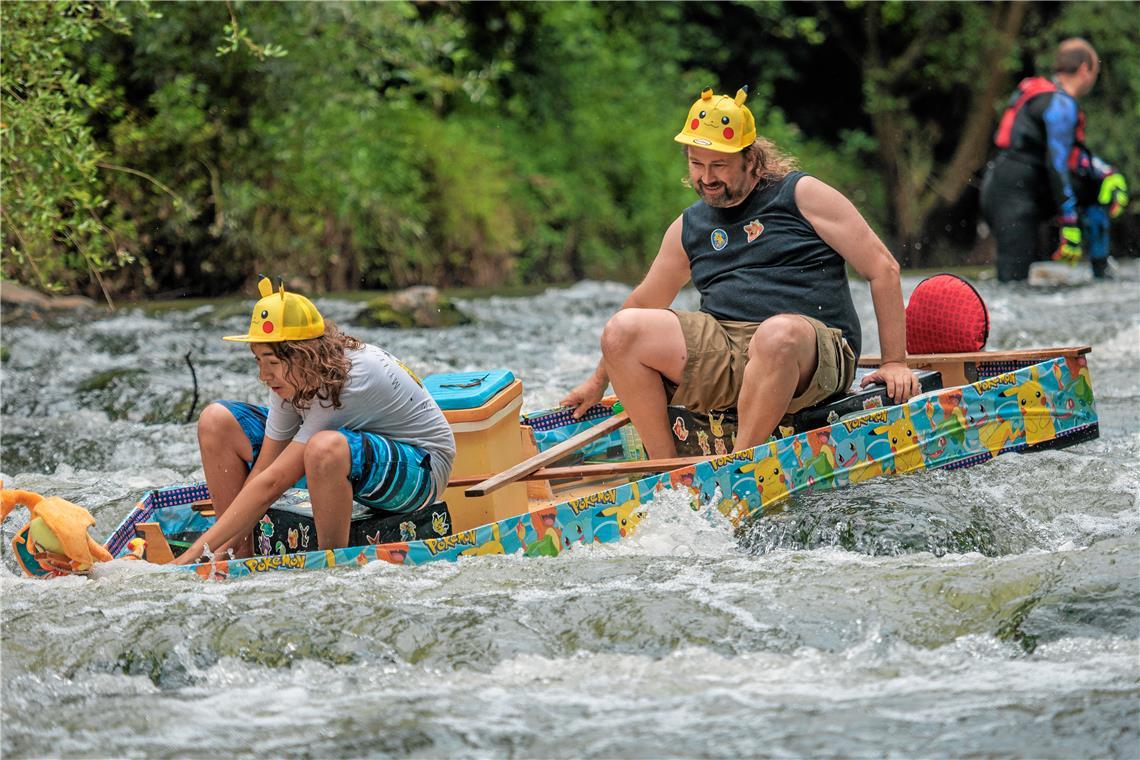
[
  {"x": 1030, "y": 181},
  {"x": 767, "y": 248}
]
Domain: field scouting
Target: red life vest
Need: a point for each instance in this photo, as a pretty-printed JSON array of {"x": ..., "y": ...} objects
[{"x": 1027, "y": 89}]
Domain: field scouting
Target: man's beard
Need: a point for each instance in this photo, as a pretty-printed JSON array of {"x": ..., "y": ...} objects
[{"x": 730, "y": 196}]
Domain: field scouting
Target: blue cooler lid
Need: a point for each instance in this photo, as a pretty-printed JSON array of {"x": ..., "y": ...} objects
[{"x": 467, "y": 390}]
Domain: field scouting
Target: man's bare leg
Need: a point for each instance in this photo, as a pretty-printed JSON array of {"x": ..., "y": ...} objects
[
  {"x": 225, "y": 450},
  {"x": 327, "y": 463},
  {"x": 782, "y": 358},
  {"x": 639, "y": 346}
]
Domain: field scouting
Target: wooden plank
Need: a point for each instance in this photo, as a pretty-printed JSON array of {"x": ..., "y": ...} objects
[
  {"x": 975, "y": 357},
  {"x": 553, "y": 454},
  {"x": 536, "y": 490},
  {"x": 157, "y": 551},
  {"x": 954, "y": 373},
  {"x": 597, "y": 470}
]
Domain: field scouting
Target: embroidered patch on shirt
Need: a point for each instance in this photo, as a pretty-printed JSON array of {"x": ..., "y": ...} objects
[
  {"x": 719, "y": 239},
  {"x": 753, "y": 229}
]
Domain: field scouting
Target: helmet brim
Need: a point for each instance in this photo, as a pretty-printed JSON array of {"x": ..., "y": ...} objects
[
  {"x": 251, "y": 339},
  {"x": 701, "y": 142}
]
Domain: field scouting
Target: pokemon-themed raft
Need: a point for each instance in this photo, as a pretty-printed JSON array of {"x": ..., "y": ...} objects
[{"x": 542, "y": 484}]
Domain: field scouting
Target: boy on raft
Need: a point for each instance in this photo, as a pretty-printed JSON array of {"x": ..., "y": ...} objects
[{"x": 347, "y": 417}]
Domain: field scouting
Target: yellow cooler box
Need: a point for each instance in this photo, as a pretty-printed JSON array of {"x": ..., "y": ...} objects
[{"x": 483, "y": 409}]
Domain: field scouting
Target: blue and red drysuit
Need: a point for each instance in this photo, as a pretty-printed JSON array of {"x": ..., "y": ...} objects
[{"x": 1030, "y": 181}]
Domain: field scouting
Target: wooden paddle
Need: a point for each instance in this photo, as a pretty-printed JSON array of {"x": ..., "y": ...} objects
[
  {"x": 1018, "y": 354},
  {"x": 960, "y": 369},
  {"x": 543, "y": 458},
  {"x": 594, "y": 470}
]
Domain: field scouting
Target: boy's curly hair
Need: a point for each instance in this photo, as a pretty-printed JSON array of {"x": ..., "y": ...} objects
[{"x": 318, "y": 367}]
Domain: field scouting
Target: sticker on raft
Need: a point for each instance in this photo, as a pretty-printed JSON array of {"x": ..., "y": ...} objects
[
  {"x": 439, "y": 524},
  {"x": 276, "y": 562},
  {"x": 439, "y": 545}
]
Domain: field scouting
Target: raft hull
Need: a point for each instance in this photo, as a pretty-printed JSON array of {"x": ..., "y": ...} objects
[{"x": 1015, "y": 409}]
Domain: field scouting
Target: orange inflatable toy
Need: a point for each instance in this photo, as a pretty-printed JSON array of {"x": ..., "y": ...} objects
[{"x": 55, "y": 541}]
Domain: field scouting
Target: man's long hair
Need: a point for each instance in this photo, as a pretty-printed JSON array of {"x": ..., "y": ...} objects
[
  {"x": 318, "y": 367},
  {"x": 766, "y": 162}
]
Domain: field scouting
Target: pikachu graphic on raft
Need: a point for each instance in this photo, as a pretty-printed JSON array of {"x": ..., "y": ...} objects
[
  {"x": 771, "y": 483},
  {"x": 494, "y": 546},
  {"x": 905, "y": 444},
  {"x": 629, "y": 513},
  {"x": 1036, "y": 409}
]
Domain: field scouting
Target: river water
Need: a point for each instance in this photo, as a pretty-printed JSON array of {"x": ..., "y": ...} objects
[{"x": 993, "y": 611}]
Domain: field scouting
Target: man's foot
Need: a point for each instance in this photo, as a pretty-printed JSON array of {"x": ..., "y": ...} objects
[{"x": 1102, "y": 269}]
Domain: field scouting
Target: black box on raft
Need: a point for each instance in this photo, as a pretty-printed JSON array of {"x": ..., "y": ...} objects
[
  {"x": 288, "y": 526},
  {"x": 714, "y": 433}
]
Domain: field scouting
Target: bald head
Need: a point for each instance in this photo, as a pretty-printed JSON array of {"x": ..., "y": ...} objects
[
  {"x": 1076, "y": 66},
  {"x": 1072, "y": 53}
]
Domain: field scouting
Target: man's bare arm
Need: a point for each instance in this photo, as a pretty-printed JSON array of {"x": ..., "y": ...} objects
[
  {"x": 840, "y": 225},
  {"x": 668, "y": 273}
]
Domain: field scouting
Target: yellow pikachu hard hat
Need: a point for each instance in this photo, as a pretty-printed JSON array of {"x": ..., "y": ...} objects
[
  {"x": 719, "y": 123},
  {"x": 280, "y": 316}
]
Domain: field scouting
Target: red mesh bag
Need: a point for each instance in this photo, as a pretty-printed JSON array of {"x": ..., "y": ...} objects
[{"x": 946, "y": 315}]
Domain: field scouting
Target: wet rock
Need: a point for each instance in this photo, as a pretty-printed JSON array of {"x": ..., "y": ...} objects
[
  {"x": 419, "y": 306},
  {"x": 21, "y": 304}
]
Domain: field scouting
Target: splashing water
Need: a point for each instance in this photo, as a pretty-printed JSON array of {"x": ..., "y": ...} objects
[{"x": 990, "y": 611}]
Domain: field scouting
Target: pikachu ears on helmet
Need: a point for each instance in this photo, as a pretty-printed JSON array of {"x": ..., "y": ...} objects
[
  {"x": 281, "y": 316},
  {"x": 720, "y": 123}
]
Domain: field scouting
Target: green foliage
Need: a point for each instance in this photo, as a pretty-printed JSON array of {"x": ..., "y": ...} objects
[
  {"x": 603, "y": 166},
  {"x": 181, "y": 148},
  {"x": 56, "y": 223}
]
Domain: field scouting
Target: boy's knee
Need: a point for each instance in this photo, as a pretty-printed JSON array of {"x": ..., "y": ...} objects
[
  {"x": 327, "y": 449},
  {"x": 216, "y": 420}
]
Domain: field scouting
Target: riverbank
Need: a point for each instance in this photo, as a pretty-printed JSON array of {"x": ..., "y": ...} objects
[{"x": 15, "y": 296}]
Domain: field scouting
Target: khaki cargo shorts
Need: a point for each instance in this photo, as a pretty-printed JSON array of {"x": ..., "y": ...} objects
[{"x": 718, "y": 350}]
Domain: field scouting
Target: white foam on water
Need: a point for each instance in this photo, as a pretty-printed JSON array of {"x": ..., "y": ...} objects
[
  {"x": 676, "y": 641},
  {"x": 125, "y": 569},
  {"x": 1124, "y": 344},
  {"x": 670, "y": 528}
]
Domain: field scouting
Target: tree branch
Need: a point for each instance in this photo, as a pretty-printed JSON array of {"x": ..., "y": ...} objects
[
  {"x": 157, "y": 183},
  {"x": 974, "y": 142}
]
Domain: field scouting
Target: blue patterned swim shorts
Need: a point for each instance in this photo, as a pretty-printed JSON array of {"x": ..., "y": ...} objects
[{"x": 386, "y": 475}]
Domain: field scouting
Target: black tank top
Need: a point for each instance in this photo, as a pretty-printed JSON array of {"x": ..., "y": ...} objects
[{"x": 762, "y": 258}]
